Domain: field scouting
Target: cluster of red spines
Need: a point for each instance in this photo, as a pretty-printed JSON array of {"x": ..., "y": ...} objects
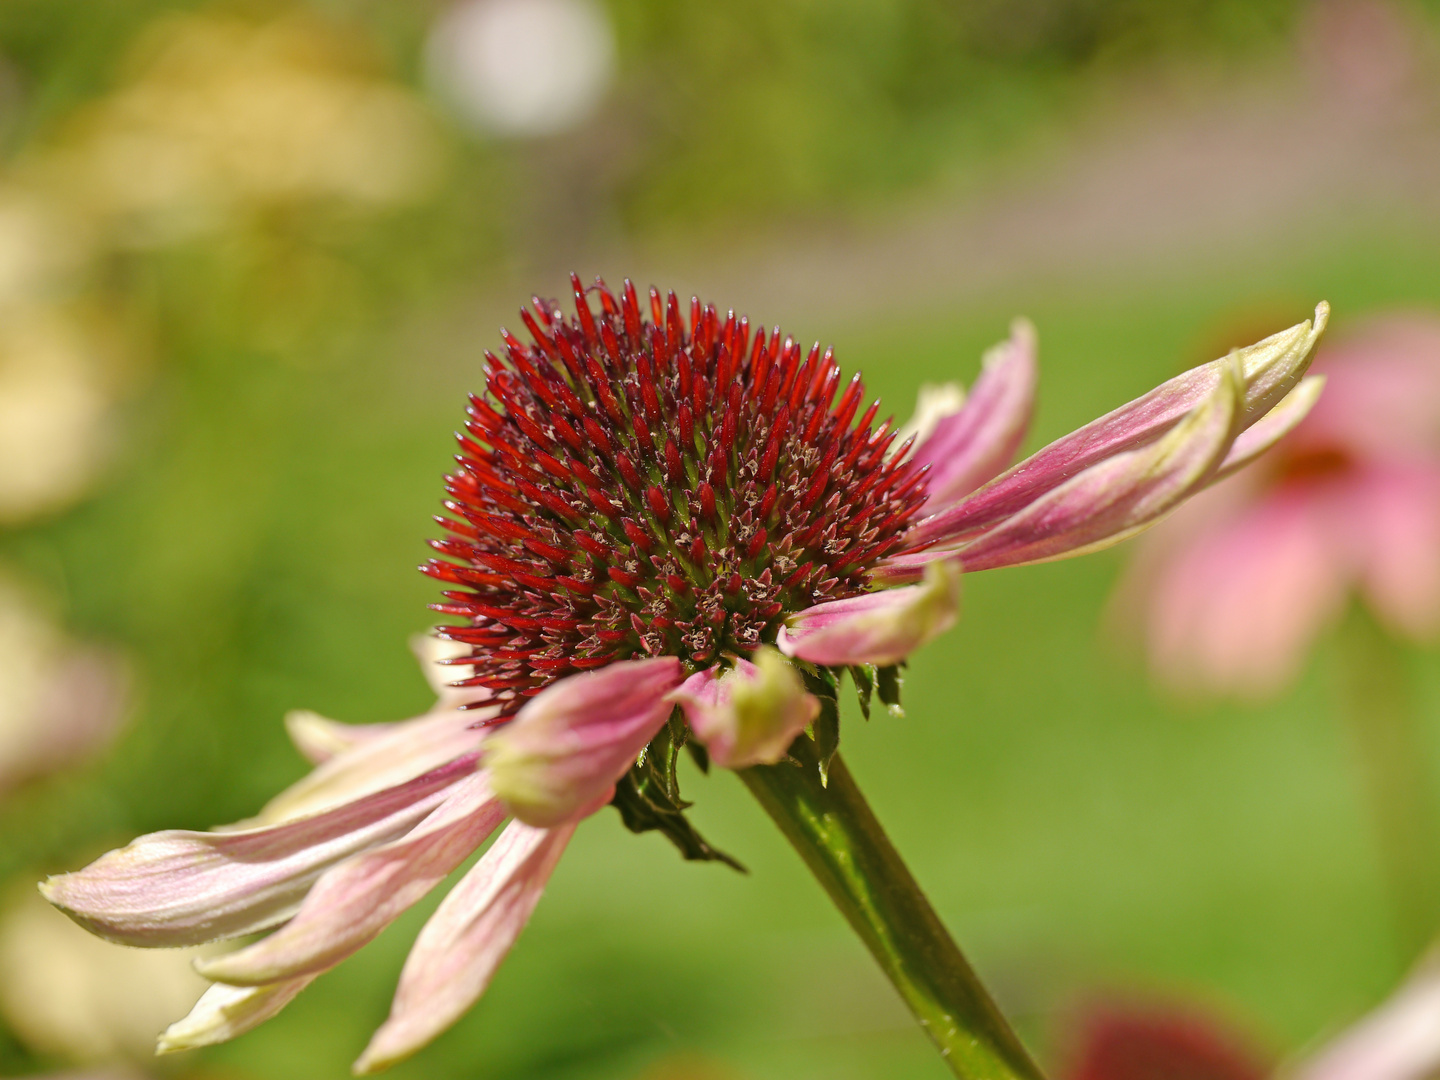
[{"x": 630, "y": 487}]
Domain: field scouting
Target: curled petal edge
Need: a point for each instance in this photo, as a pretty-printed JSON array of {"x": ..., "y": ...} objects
[
  {"x": 563, "y": 753},
  {"x": 979, "y": 437},
  {"x": 1270, "y": 369},
  {"x": 750, "y": 714},
  {"x": 879, "y": 628}
]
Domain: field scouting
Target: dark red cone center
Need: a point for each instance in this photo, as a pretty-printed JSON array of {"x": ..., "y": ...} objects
[{"x": 631, "y": 487}]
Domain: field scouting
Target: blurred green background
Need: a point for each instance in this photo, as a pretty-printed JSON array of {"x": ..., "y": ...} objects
[{"x": 257, "y": 250}]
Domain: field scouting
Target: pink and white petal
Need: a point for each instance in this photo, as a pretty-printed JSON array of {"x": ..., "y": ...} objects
[
  {"x": 1236, "y": 605},
  {"x": 186, "y": 888},
  {"x": 319, "y": 739},
  {"x": 750, "y": 714},
  {"x": 1273, "y": 426},
  {"x": 461, "y": 947},
  {"x": 1119, "y": 497},
  {"x": 564, "y": 751},
  {"x": 377, "y": 762},
  {"x": 933, "y": 403},
  {"x": 1395, "y": 525},
  {"x": 1270, "y": 369},
  {"x": 975, "y": 442},
  {"x": 1398, "y": 1041},
  {"x": 224, "y": 1012},
  {"x": 878, "y": 628},
  {"x": 440, "y": 663},
  {"x": 352, "y": 902}
]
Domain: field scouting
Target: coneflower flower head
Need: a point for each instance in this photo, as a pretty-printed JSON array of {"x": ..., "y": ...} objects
[
  {"x": 641, "y": 485},
  {"x": 668, "y": 533}
]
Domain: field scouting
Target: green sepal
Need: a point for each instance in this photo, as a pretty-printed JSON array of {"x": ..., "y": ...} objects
[
  {"x": 887, "y": 682},
  {"x": 826, "y": 733},
  {"x": 824, "y": 730},
  {"x": 864, "y": 677},
  {"x": 648, "y": 796}
]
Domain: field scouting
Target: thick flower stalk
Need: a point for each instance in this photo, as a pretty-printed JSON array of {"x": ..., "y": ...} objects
[{"x": 670, "y": 532}]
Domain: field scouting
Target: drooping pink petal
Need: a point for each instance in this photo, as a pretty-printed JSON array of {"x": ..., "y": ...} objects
[
  {"x": 379, "y": 761},
  {"x": 876, "y": 628},
  {"x": 354, "y": 901},
  {"x": 1398, "y": 1041},
  {"x": 1120, "y": 496},
  {"x": 564, "y": 751},
  {"x": 1235, "y": 601},
  {"x": 1393, "y": 515},
  {"x": 750, "y": 714},
  {"x": 186, "y": 888},
  {"x": 224, "y": 1012},
  {"x": 1270, "y": 370},
  {"x": 974, "y": 443},
  {"x": 461, "y": 947}
]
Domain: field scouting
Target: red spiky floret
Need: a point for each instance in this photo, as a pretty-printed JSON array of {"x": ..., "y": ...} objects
[{"x": 630, "y": 486}]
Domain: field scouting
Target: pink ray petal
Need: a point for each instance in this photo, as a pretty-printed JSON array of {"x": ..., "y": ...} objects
[
  {"x": 1270, "y": 369},
  {"x": 876, "y": 628},
  {"x": 564, "y": 751},
  {"x": 354, "y": 901},
  {"x": 185, "y": 888},
  {"x": 382, "y": 760},
  {"x": 974, "y": 443},
  {"x": 750, "y": 714},
  {"x": 223, "y": 1012},
  {"x": 1117, "y": 498},
  {"x": 319, "y": 739},
  {"x": 1272, "y": 427},
  {"x": 1398, "y": 1041},
  {"x": 460, "y": 948}
]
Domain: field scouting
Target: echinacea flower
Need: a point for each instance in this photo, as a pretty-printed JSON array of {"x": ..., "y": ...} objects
[
  {"x": 666, "y": 535},
  {"x": 1236, "y": 588}
]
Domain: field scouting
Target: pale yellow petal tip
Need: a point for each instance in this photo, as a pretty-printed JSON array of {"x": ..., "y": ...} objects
[
  {"x": 1023, "y": 331},
  {"x": 376, "y": 1059},
  {"x": 1322, "y": 318},
  {"x": 164, "y": 1044},
  {"x": 48, "y": 890}
]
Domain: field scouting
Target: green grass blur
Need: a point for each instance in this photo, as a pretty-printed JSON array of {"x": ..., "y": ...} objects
[{"x": 252, "y": 546}]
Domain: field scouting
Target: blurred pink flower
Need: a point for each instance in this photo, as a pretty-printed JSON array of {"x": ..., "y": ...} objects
[
  {"x": 1235, "y": 588},
  {"x": 647, "y": 516}
]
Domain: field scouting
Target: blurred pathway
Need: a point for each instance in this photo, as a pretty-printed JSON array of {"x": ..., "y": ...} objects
[
  {"x": 1347, "y": 132},
  {"x": 1340, "y": 135}
]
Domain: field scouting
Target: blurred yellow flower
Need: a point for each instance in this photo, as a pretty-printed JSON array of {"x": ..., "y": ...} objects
[
  {"x": 83, "y": 1000},
  {"x": 55, "y": 398},
  {"x": 221, "y": 117}
]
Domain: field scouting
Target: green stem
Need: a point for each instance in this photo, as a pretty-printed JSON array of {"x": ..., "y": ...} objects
[
  {"x": 1395, "y": 763},
  {"x": 833, "y": 829}
]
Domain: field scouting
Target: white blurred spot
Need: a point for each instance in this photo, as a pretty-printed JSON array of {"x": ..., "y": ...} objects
[{"x": 522, "y": 67}]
